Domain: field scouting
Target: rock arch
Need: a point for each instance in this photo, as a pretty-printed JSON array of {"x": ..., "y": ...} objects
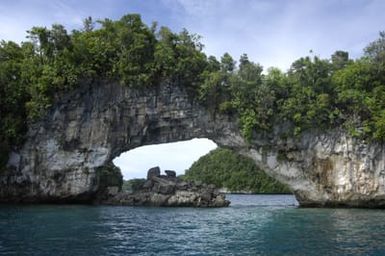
[{"x": 91, "y": 125}]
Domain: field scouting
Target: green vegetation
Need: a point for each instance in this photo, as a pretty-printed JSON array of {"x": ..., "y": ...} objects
[
  {"x": 128, "y": 51},
  {"x": 227, "y": 169},
  {"x": 133, "y": 185},
  {"x": 314, "y": 93},
  {"x": 109, "y": 176}
]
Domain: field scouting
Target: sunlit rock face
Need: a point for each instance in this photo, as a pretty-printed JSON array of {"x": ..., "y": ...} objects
[{"x": 63, "y": 156}]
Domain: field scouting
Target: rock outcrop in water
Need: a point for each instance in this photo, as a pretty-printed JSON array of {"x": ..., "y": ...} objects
[
  {"x": 168, "y": 190},
  {"x": 64, "y": 155}
]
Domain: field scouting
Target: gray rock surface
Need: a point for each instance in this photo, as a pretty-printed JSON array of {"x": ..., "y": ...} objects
[
  {"x": 90, "y": 126},
  {"x": 87, "y": 128},
  {"x": 325, "y": 169},
  {"x": 170, "y": 191},
  {"x": 171, "y": 174},
  {"x": 153, "y": 172}
]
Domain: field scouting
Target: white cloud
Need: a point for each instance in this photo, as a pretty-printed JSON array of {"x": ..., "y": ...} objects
[
  {"x": 18, "y": 17},
  {"x": 65, "y": 14},
  {"x": 176, "y": 156},
  {"x": 275, "y": 33}
]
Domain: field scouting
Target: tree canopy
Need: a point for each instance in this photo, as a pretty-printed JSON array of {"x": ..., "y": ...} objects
[{"x": 315, "y": 93}]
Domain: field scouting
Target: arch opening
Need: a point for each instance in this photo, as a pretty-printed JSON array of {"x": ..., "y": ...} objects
[
  {"x": 197, "y": 160},
  {"x": 176, "y": 156}
]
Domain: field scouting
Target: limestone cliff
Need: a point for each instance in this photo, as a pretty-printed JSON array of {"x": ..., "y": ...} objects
[
  {"x": 88, "y": 127},
  {"x": 325, "y": 169}
]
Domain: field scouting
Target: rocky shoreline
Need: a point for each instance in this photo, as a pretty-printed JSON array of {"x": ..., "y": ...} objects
[{"x": 169, "y": 190}]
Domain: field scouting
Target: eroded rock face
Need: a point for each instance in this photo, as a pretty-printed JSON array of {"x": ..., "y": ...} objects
[
  {"x": 87, "y": 128},
  {"x": 168, "y": 190},
  {"x": 90, "y": 126},
  {"x": 325, "y": 169}
]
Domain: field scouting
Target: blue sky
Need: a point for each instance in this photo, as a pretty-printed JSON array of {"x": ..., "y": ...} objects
[{"x": 271, "y": 32}]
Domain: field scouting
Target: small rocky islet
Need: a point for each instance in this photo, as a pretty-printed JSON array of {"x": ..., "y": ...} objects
[{"x": 169, "y": 190}]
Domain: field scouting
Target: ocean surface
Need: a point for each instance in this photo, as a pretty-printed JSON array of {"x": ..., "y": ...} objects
[{"x": 253, "y": 225}]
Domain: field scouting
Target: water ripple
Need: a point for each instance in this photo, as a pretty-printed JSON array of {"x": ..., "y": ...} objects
[{"x": 253, "y": 225}]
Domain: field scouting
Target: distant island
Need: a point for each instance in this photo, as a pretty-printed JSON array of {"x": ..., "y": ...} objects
[
  {"x": 227, "y": 170},
  {"x": 233, "y": 173}
]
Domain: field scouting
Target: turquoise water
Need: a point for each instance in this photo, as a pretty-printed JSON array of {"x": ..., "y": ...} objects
[{"x": 253, "y": 225}]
